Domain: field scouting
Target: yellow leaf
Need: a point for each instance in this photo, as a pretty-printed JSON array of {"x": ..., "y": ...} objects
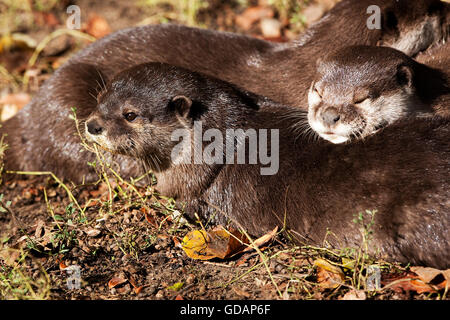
[
  {"x": 328, "y": 275},
  {"x": 195, "y": 245},
  {"x": 218, "y": 243},
  {"x": 176, "y": 286}
]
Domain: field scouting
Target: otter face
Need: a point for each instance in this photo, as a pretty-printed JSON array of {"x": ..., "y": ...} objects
[
  {"x": 137, "y": 123},
  {"x": 357, "y": 92}
]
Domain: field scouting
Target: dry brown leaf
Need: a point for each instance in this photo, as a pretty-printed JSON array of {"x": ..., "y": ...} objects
[
  {"x": 408, "y": 281},
  {"x": 150, "y": 219},
  {"x": 241, "y": 292},
  {"x": 262, "y": 240},
  {"x": 62, "y": 265},
  {"x": 98, "y": 27},
  {"x": 253, "y": 14},
  {"x": 115, "y": 281},
  {"x": 420, "y": 280},
  {"x": 93, "y": 233},
  {"x": 432, "y": 276},
  {"x": 354, "y": 295},
  {"x": 138, "y": 290},
  {"x": 328, "y": 275},
  {"x": 12, "y": 103}
]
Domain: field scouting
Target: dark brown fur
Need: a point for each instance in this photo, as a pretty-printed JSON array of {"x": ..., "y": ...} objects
[
  {"x": 401, "y": 173},
  {"x": 439, "y": 58},
  {"x": 41, "y": 137}
]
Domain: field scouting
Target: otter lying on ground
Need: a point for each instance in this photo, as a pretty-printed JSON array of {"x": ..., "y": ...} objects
[
  {"x": 42, "y": 136},
  {"x": 228, "y": 154},
  {"x": 360, "y": 89}
]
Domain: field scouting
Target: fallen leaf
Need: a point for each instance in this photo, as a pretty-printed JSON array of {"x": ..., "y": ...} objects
[
  {"x": 137, "y": 290},
  {"x": 328, "y": 275},
  {"x": 253, "y": 14},
  {"x": 12, "y": 103},
  {"x": 177, "y": 242},
  {"x": 149, "y": 217},
  {"x": 262, "y": 240},
  {"x": 98, "y": 27},
  {"x": 62, "y": 265},
  {"x": 176, "y": 286},
  {"x": 419, "y": 279},
  {"x": 217, "y": 243},
  {"x": 433, "y": 276},
  {"x": 93, "y": 233},
  {"x": 241, "y": 292},
  {"x": 354, "y": 295},
  {"x": 115, "y": 281},
  {"x": 408, "y": 281}
]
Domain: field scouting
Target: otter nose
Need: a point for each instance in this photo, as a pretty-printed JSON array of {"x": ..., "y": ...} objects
[
  {"x": 94, "y": 128},
  {"x": 330, "y": 116}
]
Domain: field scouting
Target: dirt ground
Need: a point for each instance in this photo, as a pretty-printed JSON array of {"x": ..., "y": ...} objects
[{"x": 125, "y": 240}]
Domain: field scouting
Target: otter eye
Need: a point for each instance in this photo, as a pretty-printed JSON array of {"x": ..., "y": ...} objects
[
  {"x": 317, "y": 91},
  {"x": 130, "y": 116},
  {"x": 361, "y": 100}
]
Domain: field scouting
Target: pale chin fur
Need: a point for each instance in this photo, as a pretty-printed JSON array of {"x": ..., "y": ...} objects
[
  {"x": 101, "y": 140},
  {"x": 313, "y": 100},
  {"x": 333, "y": 138},
  {"x": 383, "y": 110}
]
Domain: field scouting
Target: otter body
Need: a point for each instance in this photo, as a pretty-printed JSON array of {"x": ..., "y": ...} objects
[
  {"x": 400, "y": 173},
  {"x": 360, "y": 89},
  {"x": 43, "y": 137},
  {"x": 439, "y": 58},
  {"x": 281, "y": 72}
]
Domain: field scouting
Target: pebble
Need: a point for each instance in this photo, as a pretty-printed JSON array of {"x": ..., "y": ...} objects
[
  {"x": 159, "y": 294},
  {"x": 270, "y": 28}
]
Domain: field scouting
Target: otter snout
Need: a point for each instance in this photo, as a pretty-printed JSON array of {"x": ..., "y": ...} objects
[
  {"x": 93, "y": 127},
  {"x": 330, "y": 116}
]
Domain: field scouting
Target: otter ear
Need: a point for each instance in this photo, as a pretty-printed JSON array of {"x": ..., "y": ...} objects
[
  {"x": 182, "y": 105},
  {"x": 404, "y": 76}
]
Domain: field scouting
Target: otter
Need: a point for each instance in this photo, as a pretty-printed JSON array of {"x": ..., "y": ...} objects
[
  {"x": 316, "y": 187},
  {"x": 360, "y": 89},
  {"x": 43, "y": 137},
  {"x": 280, "y": 71}
]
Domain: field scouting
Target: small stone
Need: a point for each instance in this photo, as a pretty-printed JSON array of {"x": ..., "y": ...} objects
[
  {"x": 270, "y": 28},
  {"x": 159, "y": 294},
  {"x": 93, "y": 233},
  {"x": 190, "y": 279}
]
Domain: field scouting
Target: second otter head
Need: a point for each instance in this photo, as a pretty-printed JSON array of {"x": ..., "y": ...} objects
[
  {"x": 139, "y": 110},
  {"x": 360, "y": 89}
]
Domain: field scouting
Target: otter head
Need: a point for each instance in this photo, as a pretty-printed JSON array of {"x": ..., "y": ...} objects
[
  {"x": 139, "y": 110},
  {"x": 358, "y": 90}
]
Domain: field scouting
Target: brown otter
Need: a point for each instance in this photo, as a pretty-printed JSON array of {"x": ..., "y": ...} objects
[
  {"x": 401, "y": 173},
  {"x": 281, "y": 72},
  {"x": 359, "y": 89},
  {"x": 42, "y": 136}
]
